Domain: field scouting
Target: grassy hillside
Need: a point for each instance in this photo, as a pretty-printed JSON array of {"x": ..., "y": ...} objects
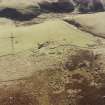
[
  {"x": 93, "y": 23},
  {"x": 29, "y": 36},
  {"x": 53, "y": 62}
]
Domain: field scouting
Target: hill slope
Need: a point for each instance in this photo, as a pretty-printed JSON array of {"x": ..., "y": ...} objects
[
  {"x": 30, "y": 36},
  {"x": 95, "y": 23}
]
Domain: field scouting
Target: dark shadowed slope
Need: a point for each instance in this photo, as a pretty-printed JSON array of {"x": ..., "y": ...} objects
[
  {"x": 59, "y": 6},
  {"x": 15, "y": 14}
]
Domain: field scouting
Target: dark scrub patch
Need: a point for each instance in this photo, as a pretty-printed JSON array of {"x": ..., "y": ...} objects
[
  {"x": 14, "y": 14},
  {"x": 57, "y": 6}
]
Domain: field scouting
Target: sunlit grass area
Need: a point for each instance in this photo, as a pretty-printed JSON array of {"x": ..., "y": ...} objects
[
  {"x": 94, "y": 23},
  {"x": 27, "y": 37}
]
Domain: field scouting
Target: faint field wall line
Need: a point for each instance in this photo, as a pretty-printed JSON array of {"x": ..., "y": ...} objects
[{"x": 12, "y": 42}]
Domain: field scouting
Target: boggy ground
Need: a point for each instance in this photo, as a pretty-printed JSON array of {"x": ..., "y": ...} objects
[{"x": 62, "y": 74}]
